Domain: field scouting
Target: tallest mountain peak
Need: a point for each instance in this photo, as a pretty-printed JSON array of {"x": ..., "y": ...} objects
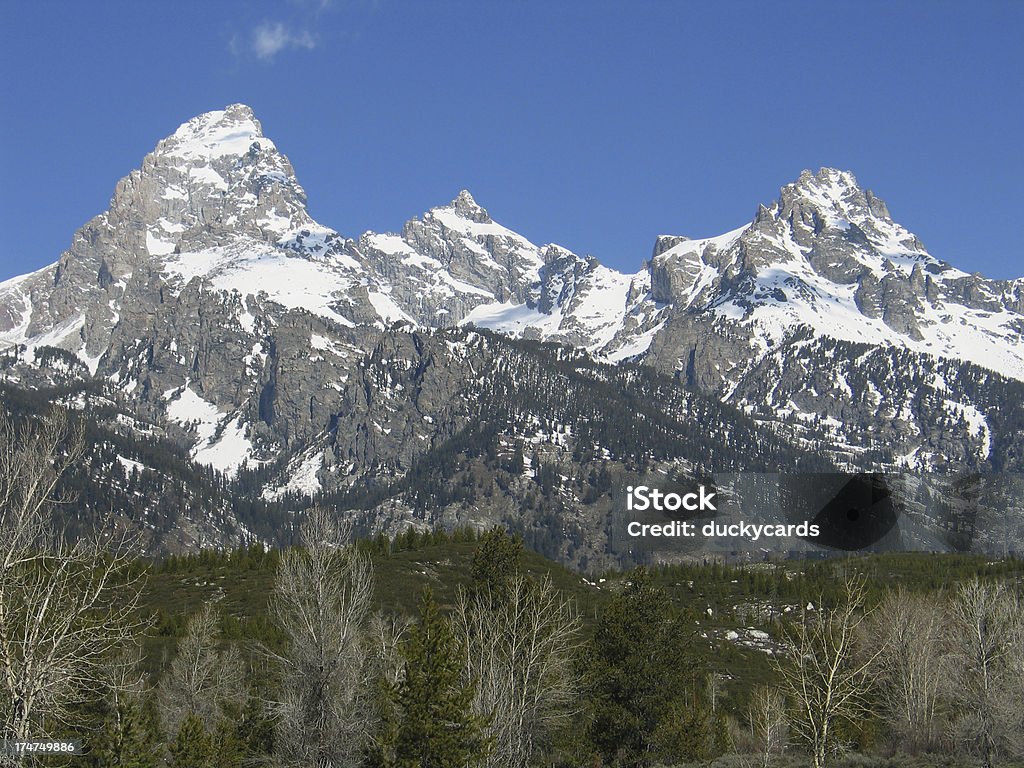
[
  {"x": 239, "y": 111},
  {"x": 228, "y": 131},
  {"x": 236, "y": 115},
  {"x": 466, "y": 206}
]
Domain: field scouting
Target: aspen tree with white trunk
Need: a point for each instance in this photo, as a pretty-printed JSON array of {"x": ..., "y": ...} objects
[
  {"x": 321, "y": 602},
  {"x": 521, "y": 649},
  {"x": 67, "y": 608},
  {"x": 203, "y": 677},
  {"x": 911, "y": 631},
  {"x": 827, "y": 677},
  {"x": 768, "y": 723},
  {"x": 985, "y": 679},
  {"x": 384, "y": 637}
]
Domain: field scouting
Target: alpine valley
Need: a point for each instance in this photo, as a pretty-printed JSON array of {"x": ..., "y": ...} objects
[{"x": 235, "y": 361}]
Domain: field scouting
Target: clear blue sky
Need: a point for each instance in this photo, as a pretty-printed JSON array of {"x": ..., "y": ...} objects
[{"x": 593, "y": 124}]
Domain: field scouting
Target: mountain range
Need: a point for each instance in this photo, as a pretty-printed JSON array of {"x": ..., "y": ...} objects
[{"x": 457, "y": 373}]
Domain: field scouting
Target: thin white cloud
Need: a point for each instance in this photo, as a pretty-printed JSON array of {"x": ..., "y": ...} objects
[
  {"x": 316, "y": 5},
  {"x": 270, "y": 38}
]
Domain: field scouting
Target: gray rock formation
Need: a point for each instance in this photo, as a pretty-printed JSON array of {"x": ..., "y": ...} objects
[{"x": 208, "y": 301}]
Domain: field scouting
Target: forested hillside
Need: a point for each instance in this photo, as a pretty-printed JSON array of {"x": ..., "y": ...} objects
[{"x": 681, "y": 665}]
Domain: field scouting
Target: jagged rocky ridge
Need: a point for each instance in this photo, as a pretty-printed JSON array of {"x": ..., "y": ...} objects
[{"x": 207, "y": 303}]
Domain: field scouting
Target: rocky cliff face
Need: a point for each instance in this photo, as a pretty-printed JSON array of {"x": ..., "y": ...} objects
[{"x": 207, "y": 301}]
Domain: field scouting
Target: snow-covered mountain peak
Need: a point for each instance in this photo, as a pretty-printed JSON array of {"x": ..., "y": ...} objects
[
  {"x": 217, "y": 160},
  {"x": 465, "y": 206},
  {"x": 831, "y": 182},
  {"x": 827, "y": 221},
  {"x": 827, "y": 257},
  {"x": 830, "y": 198},
  {"x": 215, "y": 182},
  {"x": 214, "y": 210},
  {"x": 464, "y": 214},
  {"x": 228, "y": 131}
]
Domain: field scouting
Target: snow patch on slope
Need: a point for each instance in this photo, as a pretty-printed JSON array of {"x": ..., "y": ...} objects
[
  {"x": 157, "y": 246},
  {"x": 791, "y": 293},
  {"x": 387, "y": 309},
  {"x": 256, "y": 268},
  {"x": 220, "y": 441},
  {"x": 977, "y": 425},
  {"x": 228, "y": 452},
  {"x": 302, "y": 472}
]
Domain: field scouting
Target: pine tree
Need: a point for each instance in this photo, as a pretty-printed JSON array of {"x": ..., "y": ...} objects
[
  {"x": 431, "y": 724},
  {"x": 126, "y": 741},
  {"x": 254, "y": 727},
  {"x": 684, "y": 733},
  {"x": 193, "y": 747},
  {"x": 227, "y": 744},
  {"x": 646, "y": 704},
  {"x": 495, "y": 561}
]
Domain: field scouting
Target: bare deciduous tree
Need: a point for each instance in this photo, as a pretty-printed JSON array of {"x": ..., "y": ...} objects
[
  {"x": 986, "y": 675},
  {"x": 66, "y": 608},
  {"x": 910, "y": 629},
  {"x": 827, "y": 679},
  {"x": 384, "y": 638},
  {"x": 321, "y": 600},
  {"x": 520, "y": 651},
  {"x": 203, "y": 677},
  {"x": 768, "y": 724}
]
